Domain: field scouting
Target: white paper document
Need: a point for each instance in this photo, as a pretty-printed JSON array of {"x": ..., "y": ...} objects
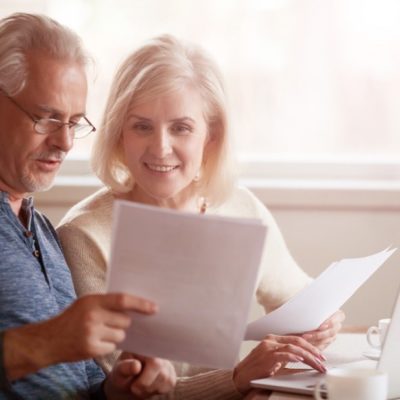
[
  {"x": 320, "y": 299},
  {"x": 201, "y": 271}
]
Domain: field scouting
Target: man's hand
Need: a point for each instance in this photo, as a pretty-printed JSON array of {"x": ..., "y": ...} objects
[
  {"x": 135, "y": 376},
  {"x": 90, "y": 327}
]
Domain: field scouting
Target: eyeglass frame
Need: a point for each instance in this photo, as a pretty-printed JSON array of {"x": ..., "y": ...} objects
[{"x": 58, "y": 122}]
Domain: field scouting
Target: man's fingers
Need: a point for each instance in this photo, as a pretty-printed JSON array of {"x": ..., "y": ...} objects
[
  {"x": 157, "y": 376},
  {"x": 112, "y": 335},
  {"x": 123, "y": 372},
  {"x": 148, "y": 376},
  {"x": 129, "y": 368},
  {"x": 117, "y": 320},
  {"x": 126, "y": 302},
  {"x": 127, "y": 355}
]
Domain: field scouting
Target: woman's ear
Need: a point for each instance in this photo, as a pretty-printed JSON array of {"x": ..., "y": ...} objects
[
  {"x": 210, "y": 140},
  {"x": 213, "y": 129}
]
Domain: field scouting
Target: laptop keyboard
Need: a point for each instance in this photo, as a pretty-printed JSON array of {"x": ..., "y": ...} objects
[
  {"x": 332, "y": 361},
  {"x": 297, "y": 365}
]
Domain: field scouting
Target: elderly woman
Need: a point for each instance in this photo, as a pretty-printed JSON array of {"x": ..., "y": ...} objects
[{"x": 164, "y": 141}]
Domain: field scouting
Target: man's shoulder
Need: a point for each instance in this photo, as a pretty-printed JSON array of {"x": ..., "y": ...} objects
[{"x": 43, "y": 222}]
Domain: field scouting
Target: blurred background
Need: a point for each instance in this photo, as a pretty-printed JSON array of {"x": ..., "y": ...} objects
[{"x": 314, "y": 97}]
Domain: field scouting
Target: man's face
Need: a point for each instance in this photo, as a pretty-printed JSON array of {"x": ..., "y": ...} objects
[{"x": 29, "y": 161}]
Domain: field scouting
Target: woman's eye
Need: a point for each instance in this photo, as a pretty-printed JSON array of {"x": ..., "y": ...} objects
[
  {"x": 143, "y": 128},
  {"x": 182, "y": 129}
]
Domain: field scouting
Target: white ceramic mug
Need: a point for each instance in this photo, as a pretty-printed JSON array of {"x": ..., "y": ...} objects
[
  {"x": 378, "y": 332},
  {"x": 353, "y": 384}
]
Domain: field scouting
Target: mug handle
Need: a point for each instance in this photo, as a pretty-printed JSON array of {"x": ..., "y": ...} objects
[
  {"x": 373, "y": 330},
  {"x": 317, "y": 390}
]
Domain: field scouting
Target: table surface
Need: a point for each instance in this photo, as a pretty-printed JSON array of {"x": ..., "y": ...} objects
[{"x": 351, "y": 343}]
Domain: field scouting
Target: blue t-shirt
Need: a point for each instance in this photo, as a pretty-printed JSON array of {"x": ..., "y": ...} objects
[{"x": 35, "y": 285}]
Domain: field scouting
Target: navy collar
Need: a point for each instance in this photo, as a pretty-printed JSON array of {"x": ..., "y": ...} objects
[{"x": 26, "y": 206}]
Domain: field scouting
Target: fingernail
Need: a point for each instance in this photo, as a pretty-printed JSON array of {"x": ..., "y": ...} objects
[
  {"x": 152, "y": 307},
  {"x": 301, "y": 359},
  {"x": 322, "y": 366},
  {"x": 322, "y": 357},
  {"x": 307, "y": 336}
]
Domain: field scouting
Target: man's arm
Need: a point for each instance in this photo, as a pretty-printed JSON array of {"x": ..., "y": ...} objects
[{"x": 91, "y": 327}]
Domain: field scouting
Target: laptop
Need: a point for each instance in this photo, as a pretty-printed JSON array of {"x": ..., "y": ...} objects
[{"x": 304, "y": 382}]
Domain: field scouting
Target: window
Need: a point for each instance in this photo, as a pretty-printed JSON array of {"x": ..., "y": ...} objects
[{"x": 307, "y": 80}]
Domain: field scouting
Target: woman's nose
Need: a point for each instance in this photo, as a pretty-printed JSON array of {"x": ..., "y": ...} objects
[{"x": 161, "y": 145}]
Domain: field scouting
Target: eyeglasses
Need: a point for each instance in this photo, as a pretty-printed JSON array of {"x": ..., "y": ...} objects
[{"x": 47, "y": 126}]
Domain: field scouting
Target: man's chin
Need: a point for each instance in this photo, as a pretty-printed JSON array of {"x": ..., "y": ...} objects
[
  {"x": 45, "y": 188},
  {"x": 33, "y": 185}
]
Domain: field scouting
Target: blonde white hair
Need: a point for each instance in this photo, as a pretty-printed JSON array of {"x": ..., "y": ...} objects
[
  {"x": 164, "y": 65},
  {"x": 21, "y": 33}
]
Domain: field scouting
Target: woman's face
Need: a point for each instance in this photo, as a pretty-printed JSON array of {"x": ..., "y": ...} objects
[{"x": 163, "y": 143}]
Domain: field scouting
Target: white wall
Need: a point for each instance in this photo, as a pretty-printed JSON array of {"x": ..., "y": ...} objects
[
  {"x": 320, "y": 226},
  {"x": 316, "y": 238},
  {"x": 324, "y": 225}
]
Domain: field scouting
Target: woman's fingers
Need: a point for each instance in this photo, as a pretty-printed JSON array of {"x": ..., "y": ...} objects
[
  {"x": 294, "y": 348},
  {"x": 327, "y": 332},
  {"x": 273, "y": 353},
  {"x": 298, "y": 342}
]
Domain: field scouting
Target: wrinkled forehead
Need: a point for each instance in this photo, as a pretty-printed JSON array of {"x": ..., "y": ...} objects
[
  {"x": 58, "y": 83},
  {"x": 42, "y": 68}
]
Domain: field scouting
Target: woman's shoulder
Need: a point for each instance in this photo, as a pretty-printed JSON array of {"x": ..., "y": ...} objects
[
  {"x": 96, "y": 207},
  {"x": 242, "y": 203}
]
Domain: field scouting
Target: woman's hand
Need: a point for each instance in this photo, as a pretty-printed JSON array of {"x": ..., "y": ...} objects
[
  {"x": 140, "y": 377},
  {"x": 327, "y": 332},
  {"x": 271, "y": 354}
]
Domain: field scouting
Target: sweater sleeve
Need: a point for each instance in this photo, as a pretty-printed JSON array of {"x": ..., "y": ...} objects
[
  {"x": 210, "y": 385},
  {"x": 84, "y": 258},
  {"x": 280, "y": 277},
  {"x": 88, "y": 269}
]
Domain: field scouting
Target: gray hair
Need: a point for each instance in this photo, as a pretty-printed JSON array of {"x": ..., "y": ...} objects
[
  {"x": 163, "y": 65},
  {"x": 20, "y": 33}
]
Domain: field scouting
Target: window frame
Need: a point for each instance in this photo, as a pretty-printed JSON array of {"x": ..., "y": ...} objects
[{"x": 279, "y": 183}]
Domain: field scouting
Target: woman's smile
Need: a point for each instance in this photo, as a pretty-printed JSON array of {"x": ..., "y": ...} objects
[{"x": 162, "y": 168}]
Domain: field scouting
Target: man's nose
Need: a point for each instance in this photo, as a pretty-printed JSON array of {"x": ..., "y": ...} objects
[{"x": 62, "y": 138}]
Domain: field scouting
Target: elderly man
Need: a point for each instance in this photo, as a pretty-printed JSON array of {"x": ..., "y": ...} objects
[{"x": 47, "y": 338}]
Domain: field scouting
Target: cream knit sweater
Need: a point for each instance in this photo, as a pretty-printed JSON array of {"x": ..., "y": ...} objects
[{"x": 85, "y": 234}]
